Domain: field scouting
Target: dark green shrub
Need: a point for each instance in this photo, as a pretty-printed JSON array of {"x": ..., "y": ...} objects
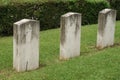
[
  {"x": 48, "y": 13},
  {"x": 115, "y": 4}
]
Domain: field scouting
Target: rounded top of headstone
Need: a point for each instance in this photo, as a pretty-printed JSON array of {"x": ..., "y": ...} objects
[
  {"x": 70, "y": 14},
  {"x": 104, "y": 11},
  {"x": 23, "y": 21}
]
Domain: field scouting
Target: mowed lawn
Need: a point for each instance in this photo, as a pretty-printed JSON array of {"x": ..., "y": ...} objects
[
  {"x": 6, "y": 2},
  {"x": 92, "y": 64}
]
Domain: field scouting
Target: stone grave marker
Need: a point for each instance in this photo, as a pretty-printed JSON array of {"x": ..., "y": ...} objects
[
  {"x": 106, "y": 28},
  {"x": 26, "y": 45},
  {"x": 70, "y": 35}
]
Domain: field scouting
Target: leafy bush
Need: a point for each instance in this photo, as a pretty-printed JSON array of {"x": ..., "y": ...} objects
[
  {"x": 48, "y": 13},
  {"x": 115, "y": 4}
]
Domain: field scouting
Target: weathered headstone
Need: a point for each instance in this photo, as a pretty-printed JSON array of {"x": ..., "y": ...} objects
[
  {"x": 26, "y": 45},
  {"x": 70, "y": 35},
  {"x": 106, "y": 28}
]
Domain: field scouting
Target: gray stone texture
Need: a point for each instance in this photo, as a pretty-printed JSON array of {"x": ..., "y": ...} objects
[
  {"x": 70, "y": 35},
  {"x": 106, "y": 28},
  {"x": 26, "y": 45}
]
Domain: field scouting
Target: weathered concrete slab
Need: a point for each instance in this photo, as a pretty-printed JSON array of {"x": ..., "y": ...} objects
[
  {"x": 106, "y": 28},
  {"x": 70, "y": 35},
  {"x": 26, "y": 45}
]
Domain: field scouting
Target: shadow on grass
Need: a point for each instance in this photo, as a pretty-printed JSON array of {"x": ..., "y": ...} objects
[
  {"x": 42, "y": 65},
  {"x": 95, "y": 49}
]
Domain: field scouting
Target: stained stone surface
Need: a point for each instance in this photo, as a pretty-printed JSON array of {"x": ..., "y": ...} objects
[
  {"x": 26, "y": 45},
  {"x": 106, "y": 28},
  {"x": 70, "y": 35}
]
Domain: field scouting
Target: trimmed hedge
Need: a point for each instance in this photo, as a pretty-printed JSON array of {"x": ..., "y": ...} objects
[
  {"x": 115, "y": 4},
  {"x": 48, "y": 13}
]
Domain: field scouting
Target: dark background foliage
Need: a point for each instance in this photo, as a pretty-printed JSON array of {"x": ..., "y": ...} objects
[
  {"x": 48, "y": 13},
  {"x": 115, "y": 4}
]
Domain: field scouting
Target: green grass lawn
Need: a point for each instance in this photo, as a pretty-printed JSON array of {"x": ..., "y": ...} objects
[
  {"x": 6, "y": 2},
  {"x": 93, "y": 64}
]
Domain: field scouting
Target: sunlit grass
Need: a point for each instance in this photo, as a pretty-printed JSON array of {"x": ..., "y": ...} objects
[
  {"x": 92, "y": 64},
  {"x": 6, "y": 2}
]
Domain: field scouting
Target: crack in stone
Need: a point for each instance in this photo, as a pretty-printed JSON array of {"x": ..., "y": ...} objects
[{"x": 26, "y": 65}]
